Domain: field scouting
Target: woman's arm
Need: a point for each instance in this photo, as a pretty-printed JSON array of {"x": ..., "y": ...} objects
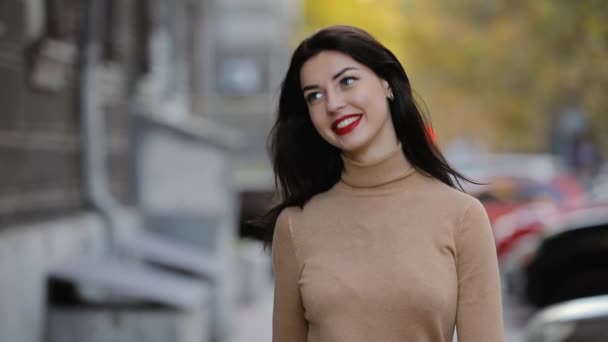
[
  {"x": 479, "y": 313},
  {"x": 288, "y": 322}
]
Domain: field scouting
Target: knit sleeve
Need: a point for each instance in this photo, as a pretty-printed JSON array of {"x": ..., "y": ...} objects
[
  {"x": 288, "y": 322},
  {"x": 479, "y": 312}
]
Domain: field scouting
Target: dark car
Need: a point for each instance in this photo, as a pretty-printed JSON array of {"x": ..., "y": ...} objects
[{"x": 569, "y": 260}]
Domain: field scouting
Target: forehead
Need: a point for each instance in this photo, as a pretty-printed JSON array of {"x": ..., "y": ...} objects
[{"x": 325, "y": 65}]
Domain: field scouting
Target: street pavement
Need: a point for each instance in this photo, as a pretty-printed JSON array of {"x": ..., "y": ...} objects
[
  {"x": 254, "y": 320},
  {"x": 516, "y": 316}
]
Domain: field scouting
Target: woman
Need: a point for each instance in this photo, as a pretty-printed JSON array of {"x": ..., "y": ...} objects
[{"x": 371, "y": 241}]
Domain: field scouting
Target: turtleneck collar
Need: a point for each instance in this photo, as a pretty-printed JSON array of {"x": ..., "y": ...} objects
[{"x": 391, "y": 168}]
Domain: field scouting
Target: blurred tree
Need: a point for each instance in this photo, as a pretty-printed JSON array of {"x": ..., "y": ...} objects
[
  {"x": 384, "y": 19},
  {"x": 506, "y": 67},
  {"x": 497, "y": 70}
]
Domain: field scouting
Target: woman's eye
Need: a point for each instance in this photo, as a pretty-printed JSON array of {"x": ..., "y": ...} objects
[
  {"x": 348, "y": 81},
  {"x": 311, "y": 97}
]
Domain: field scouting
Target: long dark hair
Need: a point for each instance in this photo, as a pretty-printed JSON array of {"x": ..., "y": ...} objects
[{"x": 304, "y": 163}]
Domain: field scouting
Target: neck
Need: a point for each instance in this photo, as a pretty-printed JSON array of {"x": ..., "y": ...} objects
[
  {"x": 372, "y": 173},
  {"x": 370, "y": 155}
]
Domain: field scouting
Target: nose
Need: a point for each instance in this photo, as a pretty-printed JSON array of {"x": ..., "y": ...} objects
[{"x": 334, "y": 101}]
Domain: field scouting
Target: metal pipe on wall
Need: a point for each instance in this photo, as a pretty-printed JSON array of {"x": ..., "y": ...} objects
[{"x": 92, "y": 122}]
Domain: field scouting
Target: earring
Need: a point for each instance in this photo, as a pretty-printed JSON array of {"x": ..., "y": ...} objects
[{"x": 390, "y": 94}]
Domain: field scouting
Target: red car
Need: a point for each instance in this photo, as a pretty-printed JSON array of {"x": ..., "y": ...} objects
[{"x": 516, "y": 205}]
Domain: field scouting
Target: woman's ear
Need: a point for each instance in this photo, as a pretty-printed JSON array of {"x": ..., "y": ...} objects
[
  {"x": 386, "y": 87},
  {"x": 388, "y": 92}
]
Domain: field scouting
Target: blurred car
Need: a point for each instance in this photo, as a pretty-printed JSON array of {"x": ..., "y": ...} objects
[
  {"x": 479, "y": 165},
  {"x": 511, "y": 180},
  {"x": 599, "y": 186},
  {"x": 581, "y": 320},
  {"x": 599, "y": 192},
  {"x": 519, "y": 225},
  {"x": 517, "y": 205},
  {"x": 565, "y": 258},
  {"x": 518, "y": 190},
  {"x": 504, "y": 194}
]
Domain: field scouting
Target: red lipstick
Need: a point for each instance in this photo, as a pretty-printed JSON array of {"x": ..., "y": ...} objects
[{"x": 342, "y": 130}]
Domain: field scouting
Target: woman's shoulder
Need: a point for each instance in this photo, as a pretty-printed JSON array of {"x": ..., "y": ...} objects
[
  {"x": 283, "y": 227},
  {"x": 287, "y": 215},
  {"x": 316, "y": 206},
  {"x": 460, "y": 208},
  {"x": 292, "y": 217},
  {"x": 290, "y": 211},
  {"x": 296, "y": 212},
  {"x": 447, "y": 196}
]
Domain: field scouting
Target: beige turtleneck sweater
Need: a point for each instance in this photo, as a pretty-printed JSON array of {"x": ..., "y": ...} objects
[{"x": 387, "y": 255}]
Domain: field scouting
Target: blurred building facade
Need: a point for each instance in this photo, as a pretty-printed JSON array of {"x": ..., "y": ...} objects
[{"x": 206, "y": 72}]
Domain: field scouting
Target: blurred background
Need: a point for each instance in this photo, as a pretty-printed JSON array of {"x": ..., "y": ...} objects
[{"x": 133, "y": 153}]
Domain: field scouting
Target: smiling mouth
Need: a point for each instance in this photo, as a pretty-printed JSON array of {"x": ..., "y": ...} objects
[{"x": 346, "y": 124}]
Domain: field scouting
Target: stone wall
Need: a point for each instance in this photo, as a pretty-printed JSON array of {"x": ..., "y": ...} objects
[{"x": 40, "y": 145}]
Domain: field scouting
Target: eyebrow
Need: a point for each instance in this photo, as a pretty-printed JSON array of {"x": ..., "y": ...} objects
[{"x": 338, "y": 74}]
